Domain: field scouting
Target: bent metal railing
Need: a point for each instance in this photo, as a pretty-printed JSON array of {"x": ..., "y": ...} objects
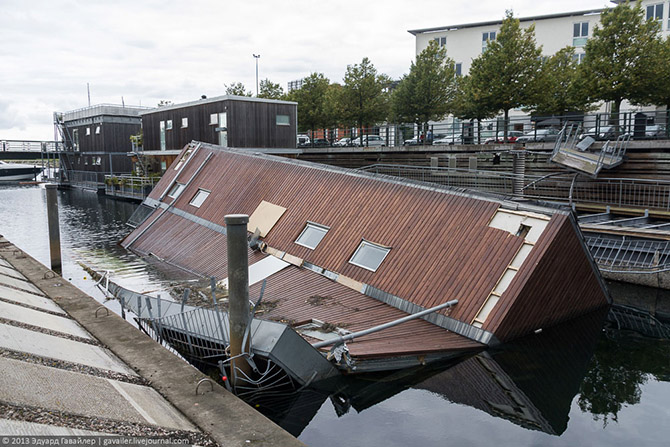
[{"x": 566, "y": 188}]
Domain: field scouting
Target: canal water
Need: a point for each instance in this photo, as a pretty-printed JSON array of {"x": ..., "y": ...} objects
[{"x": 585, "y": 383}]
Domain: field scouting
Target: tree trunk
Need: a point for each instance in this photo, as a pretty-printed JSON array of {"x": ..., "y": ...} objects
[
  {"x": 614, "y": 116},
  {"x": 506, "y": 124}
]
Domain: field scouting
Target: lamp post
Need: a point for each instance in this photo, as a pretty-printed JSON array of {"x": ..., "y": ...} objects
[{"x": 257, "y": 56}]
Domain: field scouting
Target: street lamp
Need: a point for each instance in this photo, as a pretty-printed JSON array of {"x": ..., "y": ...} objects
[{"x": 257, "y": 56}]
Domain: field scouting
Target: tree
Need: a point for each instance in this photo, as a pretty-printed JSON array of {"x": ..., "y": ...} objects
[
  {"x": 364, "y": 96},
  {"x": 311, "y": 99},
  {"x": 506, "y": 72},
  {"x": 237, "y": 89},
  {"x": 469, "y": 103},
  {"x": 622, "y": 57},
  {"x": 561, "y": 87},
  {"x": 426, "y": 92},
  {"x": 270, "y": 90}
]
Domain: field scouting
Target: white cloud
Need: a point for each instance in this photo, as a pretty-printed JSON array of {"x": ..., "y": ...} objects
[{"x": 147, "y": 50}]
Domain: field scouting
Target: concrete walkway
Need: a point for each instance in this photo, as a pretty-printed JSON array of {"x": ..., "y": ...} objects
[{"x": 70, "y": 367}]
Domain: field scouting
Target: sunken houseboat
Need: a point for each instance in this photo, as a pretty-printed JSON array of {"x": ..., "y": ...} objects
[{"x": 338, "y": 252}]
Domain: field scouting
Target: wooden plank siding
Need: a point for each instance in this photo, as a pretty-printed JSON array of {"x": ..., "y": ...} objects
[
  {"x": 442, "y": 247},
  {"x": 251, "y": 123}
]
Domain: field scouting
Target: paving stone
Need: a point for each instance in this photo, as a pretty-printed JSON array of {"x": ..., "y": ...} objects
[
  {"x": 44, "y": 320},
  {"x": 9, "y": 271},
  {"x": 19, "y": 284},
  {"x": 10, "y": 427},
  {"x": 30, "y": 299},
  {"x": 24, "y": 340}
]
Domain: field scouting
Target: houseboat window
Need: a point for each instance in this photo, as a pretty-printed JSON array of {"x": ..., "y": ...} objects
[
  {"x": 213, "y": 119},
  {"x": 184, "y": 123},
  {"x": 369, "y": 255},
  {"x": 311, "y": 235},
  {"x": 88, "y": 131},
  {"x": 97, "y": 130},
  {"x": 168, "y": 125},
  {"x": 176, "y": 190},
  {"x": 199, "y": 198},
  {"x": 162, "y": 134},
  {"x": 75, "y": 139},
  {"x": 283, "y": 120}
]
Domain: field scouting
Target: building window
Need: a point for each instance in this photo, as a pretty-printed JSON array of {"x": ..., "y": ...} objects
[
  {"x": 459, "y": 69},
  {"x": 283, "y": 120},
  {"x": 213, "y": 119},
  {"x": 163, "y": 166},
  {"x": 168, "y": 125},
  {"x": 176, "y": 190},
  {"x": 184, "y": 123},
  {"x": 98, "y": 161},
  {"x": 441, "y": 41},
  {"x": 580, "y": 32},
  {"x": 75, "y": 139},
  {"x": 487, "y": 37},
  {"x": 88, "y": 131},
  {"x": 97, "y": 130},
  {"x": 655, "y": 11},
  {"x": 578, "y": 57},
  {"x": 311, "y": 235},
  {"x": 199, "y": 198},
  {"x": 369, "y": 255}
]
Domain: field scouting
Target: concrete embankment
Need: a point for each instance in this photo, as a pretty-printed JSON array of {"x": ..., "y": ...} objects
[{"x": 68, "y": 366}]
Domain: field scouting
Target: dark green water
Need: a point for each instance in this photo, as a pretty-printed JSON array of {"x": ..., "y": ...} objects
[{"x": 582, "y": 384}]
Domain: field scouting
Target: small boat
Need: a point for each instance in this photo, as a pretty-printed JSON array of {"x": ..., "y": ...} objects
[{"x": 13, "y": 172}]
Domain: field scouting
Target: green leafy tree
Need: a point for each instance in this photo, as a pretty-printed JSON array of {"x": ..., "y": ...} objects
[
  {"x": 506, "y": 72},
  {"x": 237, "y": 89},
  {"x": 270, "y": 90},
  {"x": 622, "y": 57},
  {"x": 311, "y": 99},
  {"x": 426, "y": 92},
  {"x": 470, "y": 103},
  {"x": 363, "y": 100},
  {"x": 561, "y": 87}
]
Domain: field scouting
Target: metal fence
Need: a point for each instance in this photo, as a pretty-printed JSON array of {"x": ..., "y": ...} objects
[
  {"x": 31, "y": 145},
  {"x": 129, "y": 186},
  {"x": 568, "y": 188},
  {"x": 650, "y": 125}
]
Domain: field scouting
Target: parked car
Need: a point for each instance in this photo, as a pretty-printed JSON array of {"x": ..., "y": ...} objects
[
  {"x": 601, "y": 133},
  {"x": 512, "y": 135},
  {"x": 655, "y": 130},
  {"x": 549, "y": 134},
  {"x": 369, "y": 141},
  {"x": 320, "y": 142},
  {"x": 303, "y": 140},
  {"x": 343, "y": 142},
  {"x": 449, "y": 139}
]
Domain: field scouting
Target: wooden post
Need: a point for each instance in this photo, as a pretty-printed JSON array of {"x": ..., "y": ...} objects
[
  {"x": 238, "y": 289},
  {"x": 54, "y": 230}
]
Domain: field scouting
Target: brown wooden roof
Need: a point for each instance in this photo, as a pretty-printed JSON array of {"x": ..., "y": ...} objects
[{"x": 442, "y": 245}]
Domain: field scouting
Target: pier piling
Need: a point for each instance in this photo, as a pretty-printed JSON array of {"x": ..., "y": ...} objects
[{"x": 54, "y": 230}]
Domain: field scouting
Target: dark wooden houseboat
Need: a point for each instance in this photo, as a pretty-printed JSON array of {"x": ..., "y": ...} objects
[{"x": 342, "y": 251}]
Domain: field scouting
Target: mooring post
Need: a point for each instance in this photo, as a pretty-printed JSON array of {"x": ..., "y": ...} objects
[
  {"x": 54, "y": 231},
  {"x": 238, "y": 289}
]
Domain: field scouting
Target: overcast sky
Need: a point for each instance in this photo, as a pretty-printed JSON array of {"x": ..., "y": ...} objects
[{"x": 145, "y": 51}]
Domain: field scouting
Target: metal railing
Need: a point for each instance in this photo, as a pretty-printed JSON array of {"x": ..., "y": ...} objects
[
  {"x": 88, "y": 179},
  {"x": 621, "y": 255},
  {"x": 568, "y": 188},
  {"x": 129, "y": 186},
  {"x": 650, "y": 125},
  {"x": 31, "y": 145}
]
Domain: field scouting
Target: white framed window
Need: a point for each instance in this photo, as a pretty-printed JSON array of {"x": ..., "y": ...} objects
[
  {"x": 441, "y": 41},
  {"x": 369, "y": 255},
  {"x": 199, "y": 198},
  {"x": 459, "y": 69},
  {"x": 488, "y": 36},
  {"x": 168, "y": 125},
  {"x": 213, "y": 119},
  {"x": 98, "y": 161},
  {"x": 184, "y": 123},
  {"x": 176, "y": 190},
  {"x": 88, "y": 131},
  {"x": 283, "y": 120},
  {"x": 75, "y": 139},
  {"x": 580, "y": 33},
  {"x": 579, "y": 57},
  {"x": 97, "y": 130},
  {"x": 655, "y": 11},
  {"x": 311, "y": 235}
]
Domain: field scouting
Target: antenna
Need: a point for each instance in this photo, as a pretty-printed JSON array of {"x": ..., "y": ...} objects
[
  {"x": 88, "y": 89},
  {"x": 123, "y": 103}
]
